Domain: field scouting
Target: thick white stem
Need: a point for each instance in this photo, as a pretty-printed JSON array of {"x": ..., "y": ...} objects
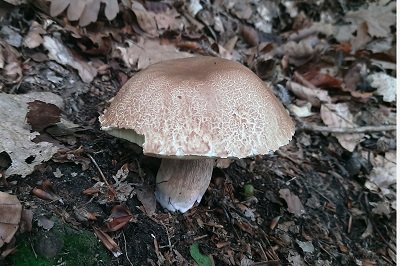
[{"x": 182, "y": 183}]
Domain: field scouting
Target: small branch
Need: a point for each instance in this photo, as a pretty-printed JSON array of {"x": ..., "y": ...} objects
[
  {"x": 346, "y": 130},
  {"x": 98, "y": 169}
]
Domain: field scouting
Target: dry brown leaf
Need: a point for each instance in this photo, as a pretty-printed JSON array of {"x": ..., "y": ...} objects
[
  {"x": 146, "y": 196},
  {"x": 339, "y": 116},
  {"x": 10, "y": 209},
  {"x": 293, "y": 201},
  {"x": 362, "y": 37},
  {"x": 62, "y": 55},
  {"x": 148, "y": 52},
  {"x": 86, "y": 11},
  {"x": 33, "y": 39},
  {"x": 322, "y": 80},
  {"x": 300, "y": 53},
  {"x": 378, "y": 17},
  {"x": 313, "y": 96},
  {"x": 108, "y": 242},
  {"x": 90, "y": 13},
  {"x": 384, "y": 172},
  {"x": 120, "y": 216},
  {"x": 146, "y": 19},
  {"x": 41, "y": 115},
  {"x": 9, "y": 60}
]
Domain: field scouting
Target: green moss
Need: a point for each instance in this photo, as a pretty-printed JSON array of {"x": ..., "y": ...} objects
[{"x": 80, "y": 248}]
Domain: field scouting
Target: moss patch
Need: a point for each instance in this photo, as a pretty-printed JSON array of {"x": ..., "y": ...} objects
[{"x": 80, "y": 248}]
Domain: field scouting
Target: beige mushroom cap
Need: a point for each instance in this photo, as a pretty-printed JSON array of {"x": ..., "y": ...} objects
[{"x": 199, "y": 106}]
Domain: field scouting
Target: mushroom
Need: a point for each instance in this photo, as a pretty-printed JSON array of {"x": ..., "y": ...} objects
[{"x": 189, "y": 112}]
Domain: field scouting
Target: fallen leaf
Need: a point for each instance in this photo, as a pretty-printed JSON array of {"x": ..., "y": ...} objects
[
  {"x": 368, "y": 231},
  {"x": 385, "y": 85},
  {"x": 301, "y": 111},
  {"x": 86, "y": 11},
  {"x": 338, "y": 115},
  {"x": 322, "y": 80},
  {"x": 46, "y": 192},
  {"x": 15, "y": 137},
  {"x": 362, "y": 37},
  {"x": 293, "y": 201},
  {"x": 108, "y": 242},
  {"x": 83, "y": 215},
  {"x": 379, "y": 18},
  {"x": 45, "y": 222},
  {"x": 306, "y": 246},
  {"x": 300, "y": 53},
  {"x": 383, "y": 173},
  {"x": 10, "y": 209},
  {"x": 146, "y": 19},
  {"x": 62, "y": 55},
  {"x": 147, "y": 197},
  {"x": 313, "y": 96},
  {"x": 41, "y": 115},
  {"x": 382, "y": 208},
  {"x": 148, "y": 52},
  {"x": 199, "y": 258},
  {"x": 119, "y": 217},
  {"x": 33, "y": 39}
]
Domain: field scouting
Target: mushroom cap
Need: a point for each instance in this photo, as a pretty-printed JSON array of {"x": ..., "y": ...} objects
[{"x": 199, "y": 106}]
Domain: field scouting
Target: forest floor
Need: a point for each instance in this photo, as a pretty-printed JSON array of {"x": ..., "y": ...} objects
[{"x": 87, "y": 198}]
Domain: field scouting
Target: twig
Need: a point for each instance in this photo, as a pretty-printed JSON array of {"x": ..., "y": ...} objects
[
  {"x": 98, "y": 169},
  {"x": 347, "y": 130},
  {"x": 126, "y": 250},
  {"x": 263, "y": 252},
  {"x": 169, "y": 238},
  {"x": 304, "y": 81},
  {"x": 199, "y": 237}
]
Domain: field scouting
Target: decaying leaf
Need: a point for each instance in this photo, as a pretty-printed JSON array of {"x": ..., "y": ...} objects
[
  {"x": 301, "y": 111},
  {"x": 122, "y": 188},
  {"x": 147, "y": 197},
  {"x": 46, "y": 192},
  {"x": 62, "y": 55},
  {"x": 378, "y": 17},
  {"x": 41, "y": 115},
  {"x": 339, "y": 116},
  {"x": 108, "y": 242},
  {"x": 119, "y": 217},
  {"x": 83, "y": 214},
  {"x": 302, "y": 52},
  {"x": 384, "y": 172},
  {"x": 293, "y": 201},
  {"x": 385, "y": 84},
  {"x": 15, "y": 136},
  {"x": 33, "y": 39},
  {"x": 45, "y": 222},
  {"x": 313, "y": 96},
  {"x": 86, "y": 11},
  {"x": 146, "y": 19},
  {"x": 306, "y": 246},
  {"x": 10, "y": 209},
  {"x": 148, "y": 52}
]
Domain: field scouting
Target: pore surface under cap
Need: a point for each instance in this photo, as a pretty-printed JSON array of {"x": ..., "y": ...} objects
[{"x": 200, "y": 106}]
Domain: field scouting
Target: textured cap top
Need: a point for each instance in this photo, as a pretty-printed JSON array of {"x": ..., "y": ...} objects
[{"x": 199, "y": 106}]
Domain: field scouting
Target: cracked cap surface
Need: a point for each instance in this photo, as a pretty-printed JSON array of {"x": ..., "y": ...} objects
[{"x": 199, "y": 106}]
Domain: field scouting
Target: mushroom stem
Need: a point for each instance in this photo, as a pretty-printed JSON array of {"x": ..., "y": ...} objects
[{"x": 181, "y": 183}]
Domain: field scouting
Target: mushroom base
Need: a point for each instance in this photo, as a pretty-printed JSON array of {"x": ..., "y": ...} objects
[{"x": 182, "y": 183}]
